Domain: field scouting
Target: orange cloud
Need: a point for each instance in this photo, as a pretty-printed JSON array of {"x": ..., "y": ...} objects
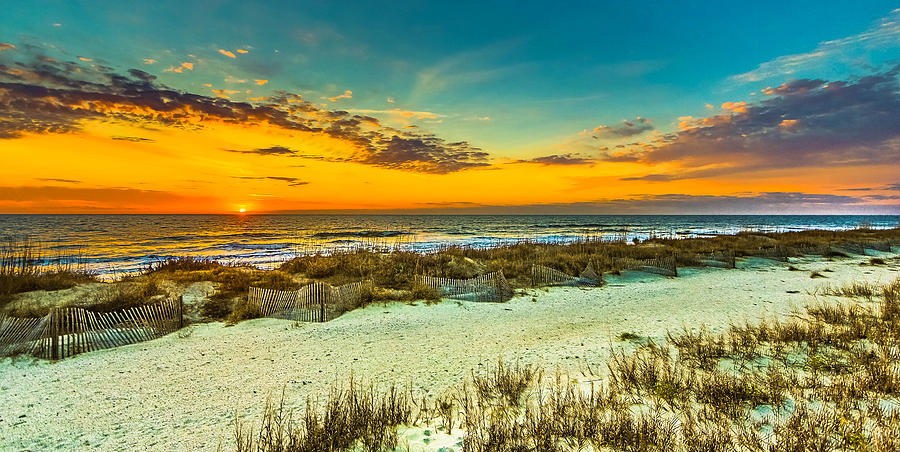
[
  {"x": 6, "y": 46},
  {"x": 179, "y": 69},
  {"x": 347, "y": 95},
  {"x": 227, "y": 53},
  {"x": 242, "y": 51},
  {"x": 261, "y": 82},
  {"x": 85, "y": 59},
  {"x": 736, "y": 107},
  {"x": 149, "y": 61}
]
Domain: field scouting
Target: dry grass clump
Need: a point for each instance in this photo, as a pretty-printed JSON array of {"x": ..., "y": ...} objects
[
  {"x": 860, "y": 289},
  {"x": 353, "y": 417},
  {"x": 232, "y": 284},
  {"x": 826, "y": 379},
  {"x": 24, "y": 268}
]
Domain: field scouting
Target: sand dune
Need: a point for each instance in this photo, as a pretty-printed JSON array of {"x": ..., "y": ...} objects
[{"x": 181, "y": 392}]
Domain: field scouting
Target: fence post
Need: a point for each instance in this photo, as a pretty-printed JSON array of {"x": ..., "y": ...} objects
[
  {"x": 181, "y": 312},
  {"x": 54, "y": 335},
  {"x": 323, "y": 300}
]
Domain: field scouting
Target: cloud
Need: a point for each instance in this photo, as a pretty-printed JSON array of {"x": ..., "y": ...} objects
[
  {"x": 882, "y": 35},
  {"x": 48, "y": 96},
  {"x": 292, "y": 181},
  {"x": 273, "y": 150},
  {"x": 261, "y": 82},
  {"x": 179, "y": 69},
  {"x": 802, "y": 123},
  {"x": 85, "y": 59},
  {"x": 134, "y": 139},
  {"x": 59, "y": 199},
  {"x": 227, "y": 53},
  {"x": 6, "y": 46},
  {"x": 242, "y": 51},
  {"x": 149, "y": 61},
  {"x": 626, "y": 129},
  {"x": 559, "y": 159},
  {"x": 347, "y": 95},
  {"x": 52, "y": 179}
]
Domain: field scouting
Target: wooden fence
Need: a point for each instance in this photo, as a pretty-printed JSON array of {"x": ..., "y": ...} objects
[
  {"x": 546, "y": 276},
  {"x": 317, "y": 302},
  {"x": 778, "y": 253},
  {"x": 66, "y": 332},
  {"x": 491, "y": 287},
  {"x": 664, "y": 265},
  {"x": 723, "y": 259}
]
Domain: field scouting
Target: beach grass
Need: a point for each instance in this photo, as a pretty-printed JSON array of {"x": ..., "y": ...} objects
[
  {"x": 22, "y": 269},
  {"x": 824, "y": 379}
]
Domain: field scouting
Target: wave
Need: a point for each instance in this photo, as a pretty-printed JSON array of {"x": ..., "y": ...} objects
[{"x": 360, "y": 234}]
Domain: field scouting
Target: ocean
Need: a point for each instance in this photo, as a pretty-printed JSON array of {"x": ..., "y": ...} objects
[{"x": 111, "y": 245}]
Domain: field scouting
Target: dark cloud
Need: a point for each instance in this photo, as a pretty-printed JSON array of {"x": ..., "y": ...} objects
[
  {"x": 560, "y": 159},
  {"x": 52, "y": 179},
  {"x": 43, "y": 95},
  {"x": 273, "y": 150},
  {"x": 804, "y": 123},
  {"x": 626, "y": 129},
  {"x": 292, "y": 181},
  {"x": 133, "y": 139}
]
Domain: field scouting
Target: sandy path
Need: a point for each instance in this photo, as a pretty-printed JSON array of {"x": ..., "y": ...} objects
[{"x": 181, "y": 393}]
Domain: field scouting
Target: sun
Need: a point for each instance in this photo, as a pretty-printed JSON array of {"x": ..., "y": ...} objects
[{"x": 242, "y": 210}]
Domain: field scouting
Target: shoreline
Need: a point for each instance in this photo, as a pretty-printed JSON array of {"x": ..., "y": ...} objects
[{"x": 181, "y": 391}]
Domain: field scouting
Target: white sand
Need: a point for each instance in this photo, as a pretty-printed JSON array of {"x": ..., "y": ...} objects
[{"x": 181, "y": 393}]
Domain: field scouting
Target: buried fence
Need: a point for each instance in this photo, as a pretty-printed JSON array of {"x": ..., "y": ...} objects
[
  {"x": 724, "y": 259},
  {"x": 546, "y": 276},
  {"x": 491, "y": 287},
  {"x": 316, "y": 302},
  {"x": 66, "y": 332},
  {"x": 665, "y": 265}
]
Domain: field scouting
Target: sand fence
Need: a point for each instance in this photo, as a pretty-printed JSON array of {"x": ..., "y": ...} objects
[
  {"x": 66, "y": 332},
  {"x": 316, "y": 302},
  {"x": 490, "y": 287},
  {"x": 661, "y": 265},
  {"x": 546, "y": 276}
]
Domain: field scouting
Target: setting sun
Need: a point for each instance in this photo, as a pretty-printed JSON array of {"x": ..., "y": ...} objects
[{"x": 242, "y": 210}]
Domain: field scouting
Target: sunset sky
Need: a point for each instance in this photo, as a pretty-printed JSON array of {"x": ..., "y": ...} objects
[{"x": 449, "y": 107}]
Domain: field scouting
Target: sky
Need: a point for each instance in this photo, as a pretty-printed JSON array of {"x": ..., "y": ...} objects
[{"x": 449, "y": 107}]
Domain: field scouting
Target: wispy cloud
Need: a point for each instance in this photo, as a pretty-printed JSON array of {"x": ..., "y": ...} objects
[
  {"x": 227, "y": 53},
  {"x": 560, "y": 159},
  {"x": 186, "y": 66},
  {"x": 292, "y": 181},
  {"x": 347, "y": 95},
  {"x": 628, "y": 128},
  {"x": 885, "y": 34}
]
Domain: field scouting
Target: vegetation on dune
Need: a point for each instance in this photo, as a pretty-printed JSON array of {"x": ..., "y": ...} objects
[
  {"x": 395, "y": 270},
  {"x": 826, "y": 379},
  {"x": 393, "y": 273},
  {"x": 232, "y": 283},
  {"x": 22, "y": 269}
]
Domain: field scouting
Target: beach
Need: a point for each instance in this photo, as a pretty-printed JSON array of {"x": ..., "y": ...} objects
[{"x": 182, "y": 391}]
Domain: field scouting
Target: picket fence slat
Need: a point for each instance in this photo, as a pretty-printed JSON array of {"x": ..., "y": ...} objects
[{"x": 65, "y": 332}]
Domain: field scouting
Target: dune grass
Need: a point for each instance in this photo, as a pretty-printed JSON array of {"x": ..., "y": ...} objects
[
  {"x": 23, "y": 269},
  {"x": 825, "y": 379},
  {"x": 395, "y": 270}
]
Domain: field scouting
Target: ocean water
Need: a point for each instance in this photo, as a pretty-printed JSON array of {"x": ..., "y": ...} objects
[{"x": 116, "y": 244}]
